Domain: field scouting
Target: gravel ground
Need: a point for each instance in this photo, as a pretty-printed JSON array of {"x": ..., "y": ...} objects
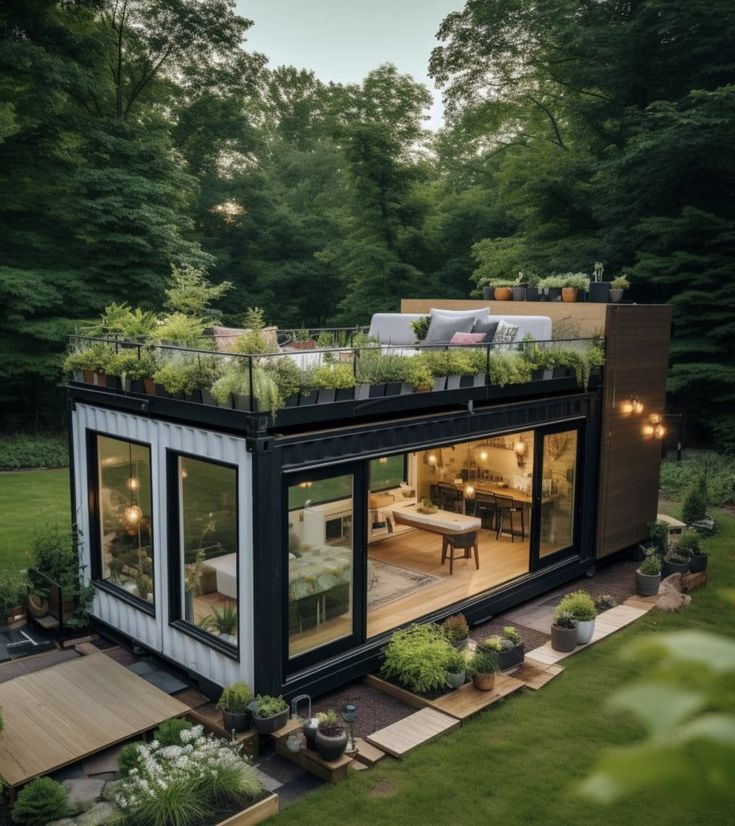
[
  {"x": 531, "y": 637},
  {"x": 375, "y": 710}
]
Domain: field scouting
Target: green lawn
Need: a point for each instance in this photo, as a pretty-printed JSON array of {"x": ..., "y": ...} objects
[
  {"x": 28, "y": 500},
  {"x": 515, "y": 763}
]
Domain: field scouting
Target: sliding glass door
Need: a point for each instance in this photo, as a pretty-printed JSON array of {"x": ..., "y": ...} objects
[
  {"x": 557, "y": 515},
  {"x": 324, "y": 563}
]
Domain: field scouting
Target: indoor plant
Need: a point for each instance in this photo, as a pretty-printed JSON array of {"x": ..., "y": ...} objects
[
  {"x": 582, "y": 607},
  {"x": 648, "y": 575},
  {"x": 270, "y": 713},
  {"x": 483, "y": 665},
  {"x": 563, "y": 631},
  {"x": 618, "y": 287},
  {"x": 690, "y": 542},
  {"x": 456, "y": 670},
  {"x": 234, "y": 702},
  {"x": 330, "y": 740}
]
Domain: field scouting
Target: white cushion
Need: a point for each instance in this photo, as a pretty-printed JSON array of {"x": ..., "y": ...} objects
[
  {"x": 394, "y": 328},
  {"x": 479, "y": 312}
]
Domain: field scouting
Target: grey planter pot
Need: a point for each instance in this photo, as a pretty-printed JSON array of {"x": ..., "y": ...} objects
[
  {"x": 267, "y": 725},
  {"x": 674, "y": 568},
  {"x": 698, "y": 563},
  {"x": 326, "y": 396},
  {"x": 455, "y": 681},
  {"x": 330, "y": 748},
  {"x": 362, "y": 391},
  {"x": 554, "y": 293},
  {"x": 453, "y": 382},
  {"x": 238, "y": 722},
  {"x": 585, "y": 629},
  {"x": 563, "y": 639},
  {"x": 519, "y": 293},
  {"x": 488, "y": 293},
  {"x": 600, "y": 292},
  {"x": 440, "y": 383},
  {"x": 511, "y": 658},
  {"x": 532, "y": 294},
  {"x": 646, "y": 585},
  {"x": 616, "y": 296}
]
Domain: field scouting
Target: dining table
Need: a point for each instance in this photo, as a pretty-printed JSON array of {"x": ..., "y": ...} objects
[{"x": 446, "y": 523}]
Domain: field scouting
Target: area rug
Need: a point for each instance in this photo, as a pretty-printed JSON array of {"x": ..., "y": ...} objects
[{"x": 388, "y": 582}]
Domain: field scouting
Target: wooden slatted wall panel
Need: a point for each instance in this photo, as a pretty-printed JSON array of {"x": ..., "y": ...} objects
[{"x": 637, "y": 361}]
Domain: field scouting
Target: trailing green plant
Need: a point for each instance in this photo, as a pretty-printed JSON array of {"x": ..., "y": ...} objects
[
  {"x": 235, "y": 380},
  {"x": 330, "y": 723},
  {"x": 129, "y": 758},
  {"x": 95, "y": 356},
  {"x": 690, "y": 542},
  {"x": 416, "y": 658},
  {"x": 456, "y": 628},
  {"x": 420, "y": 327},
  {"x": 564, "y": 619},
  {"x": 580, "y": 605},
  {"x": 235, "y": 698},
  {"x": 484, "y": 662},
  {"x": 651, "y": 565},
  {"x": 604, "y": 602},
  {"x": 28, "y": 450},
  {"x": 331, "y": 377},
  {"x": 14, "y": 588},
  {"x": 40, "y": 802},
  {"x": 190, "y": 293},
  {"x": 267, "y": 705},
  {"x": 512, "y": 635},
  {"x": 169, "y": 732},
  {"x": 285, "y": 374}
]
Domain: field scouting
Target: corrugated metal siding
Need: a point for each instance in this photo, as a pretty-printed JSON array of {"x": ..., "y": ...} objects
[{"x": 155, "y": 632}]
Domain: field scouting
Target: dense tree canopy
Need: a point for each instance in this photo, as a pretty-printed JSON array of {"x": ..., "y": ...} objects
[{"x": 136, "y": 135}]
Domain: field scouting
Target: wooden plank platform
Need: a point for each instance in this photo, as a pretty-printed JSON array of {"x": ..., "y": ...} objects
[
  {"x": 69, "y": 711},
  {"x": 309, "y": 760},
  {"x": 367, "y": 753},
  {"x": 535, "y": 675},
  {"x": 468, "y": 700},
  {"x": 407, "y": 734}
]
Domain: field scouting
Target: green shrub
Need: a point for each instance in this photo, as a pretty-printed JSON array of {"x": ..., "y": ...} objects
[
  {"x": 129, "y": 758},
  {"x": 418, "y": 374},
  {"x": 94, "y": 356},
  {"x": 509, "y": 368},
  {"x": 180, "y": 329},
  {"x": 133, "y": 364},
  {"x": 285, "y": 374},
  {"x": 235, "y": 698},
  {"x": 580, "y": 605},
  {"x": 604, "y": 602},
  {"x": 417, "y": 658},
  {"x": 493, "y": 643},
  {"x": 188, "y": 374},
  {"x": 651, "y": 566},
  {"x": 564, "y": 619},
  {"x": 457, "y": 663},
  {"x": 250, "y": 343},
  {"x": 31, "y": 451},
  {"x": 330, "y": 723},
  {"x": 717, "y": 470},
  {"x": 694, "y": 507},
  {"x": 169, "y": 732},
  {"x": 689, "y": 542},
  {"x": 40, "y": 802},
  {"x": 512, "y": 635},
  {"x": 267, "y": 706},
  {"x": 420, "y": 327},
  {"x": 658, "y": 535},
  {"x": 331, "y": 377},
  {"x": 456, "y": 628},
  {"x": 236, "y": 381},
  {"x": 14, "y": 587},
  {"x": 483, "y": 661}
]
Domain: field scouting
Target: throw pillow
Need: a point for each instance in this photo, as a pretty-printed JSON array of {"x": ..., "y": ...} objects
[
  {"x": 505, "y": 333},
  {"x": 442, "y": 328},
  {"x": 467, "y": 338},
  {"x": 487, "y": 327}
]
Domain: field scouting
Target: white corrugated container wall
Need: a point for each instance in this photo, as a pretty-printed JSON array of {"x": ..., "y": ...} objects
[{"x": 155, "y": 632}]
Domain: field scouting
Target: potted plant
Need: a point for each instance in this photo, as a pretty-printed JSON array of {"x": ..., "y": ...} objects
[
  {"x": 330, "y": 740},
  {"x": 572, "y": 284},
  {"x": 648, "y": 575},
  {"x": 222, "y": 621},
  {"x": 690, "y": 542},
  {"x": 513, "y": 650},
  {"x": 500, "y": 289},
  {"x": 270, "y": 713},
  {"x": 235, "y": 704},
  {"x": 617, "y": 288},
  {"x": 532, "y": 291},
  {"x": 582, "y": 607},
  {"x": 483, "y": 665},
  {"x": 563, "y": 631},
  {"x": 518, "y": 288},
  {"x": 599, "y": 289},
  {"x": 550, "y": 287},
  {"x": 676, "y": 561},
  {"x": 456, "y": 670},
  {"x": 457, "y": 630},
  {"x": 333, "y": 382},
  {"x": 14, "y": 589},
  {"x": 604, "y": 602}
]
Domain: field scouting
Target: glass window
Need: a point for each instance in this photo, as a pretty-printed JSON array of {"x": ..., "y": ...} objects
[
  {"x": 208, "y": 530},
  {"x": 557, "y": 492},
  {"x": 387, "y": 472},
  {"x": 320, "y": 568},
  {"x": 124, "y": 485}
]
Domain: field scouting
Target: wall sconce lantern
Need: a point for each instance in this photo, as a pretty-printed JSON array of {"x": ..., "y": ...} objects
[
  {"x": 383, "y": 460},
  {"x": 655, "y": 427},
  {"x": 633, "y": 406},
  {"x": 520, "y": 448}
]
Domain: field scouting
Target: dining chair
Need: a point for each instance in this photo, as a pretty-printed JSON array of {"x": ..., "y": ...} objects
[
  {"x": 506, "y": 509},
  {"x": 465, "y": 542}
]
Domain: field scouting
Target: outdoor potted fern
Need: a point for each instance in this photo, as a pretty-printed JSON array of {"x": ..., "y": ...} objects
[
  {"x": 483, "y": 665},
  {"x": 456, "y": 670},
  {"x": 648, "y": 575},
  {"x": 235, "y": 705},
  {"x": 330, "y": 740},
  {"x": 269, "y": 713},
  {"x": 582, "y": 607},
  {"x": 563, "y": 631},
  {"x": 618, "y": 286}
]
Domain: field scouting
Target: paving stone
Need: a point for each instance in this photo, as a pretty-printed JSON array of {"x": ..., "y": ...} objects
[
  {"x": 280, "y": 769},
  {"x": 99, "y": 815},
  {"x": 83, "y": 792},
  {"x": 266, "y": 781},
  {"x": 291, "y": 792},
  {"x": 105, "y": 761}
]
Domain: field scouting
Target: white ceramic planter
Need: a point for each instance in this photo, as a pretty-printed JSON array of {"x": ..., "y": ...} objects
[{"x": 584, "y": 631}]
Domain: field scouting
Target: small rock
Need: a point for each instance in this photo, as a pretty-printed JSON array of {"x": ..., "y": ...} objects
[
  {"x": 83, "y": 792},
  {"x": 670, "y": 597},
  {"x": 110, "y": 790},
  {"x": 99, "y": 815}
]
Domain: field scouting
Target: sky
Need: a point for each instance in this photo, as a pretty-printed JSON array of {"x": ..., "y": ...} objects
[{"x": 343, "y": 41}]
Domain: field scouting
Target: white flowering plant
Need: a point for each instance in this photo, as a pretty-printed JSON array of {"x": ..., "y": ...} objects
[{"x": 187, "y": 784}]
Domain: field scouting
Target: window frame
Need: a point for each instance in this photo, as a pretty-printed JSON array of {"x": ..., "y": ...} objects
[
  {"x": 403, "y": 455},
  {"x": 174, "y": 554},
  {"x": 95, "y": 533}
]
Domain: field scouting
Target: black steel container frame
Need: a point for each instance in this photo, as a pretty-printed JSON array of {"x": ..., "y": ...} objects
[{"x": 463, "y": 415}]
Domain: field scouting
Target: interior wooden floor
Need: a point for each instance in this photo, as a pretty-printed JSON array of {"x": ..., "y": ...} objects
[{"x": 500, "y": 561}]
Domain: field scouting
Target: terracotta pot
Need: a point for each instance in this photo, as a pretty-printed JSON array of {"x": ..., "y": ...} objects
[
  {"x": 503, "y": 294},
  {"x": 569, "y": 294},
  {"x": 484, "y": 682}
]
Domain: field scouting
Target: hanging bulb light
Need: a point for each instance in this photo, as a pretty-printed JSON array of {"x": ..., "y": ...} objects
[
  {"x": 133, "y": 514},
  {"x": 431, "y": 459},
  {"x": 133, "y": 483},
  {"x": 520, "y": 450},
  {"x": 184, "y": 473},
  {"x": 469, "y": 491},
  {"x": 483, "y": 455}
]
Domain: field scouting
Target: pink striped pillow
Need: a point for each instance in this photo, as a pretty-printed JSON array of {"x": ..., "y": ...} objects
[{"x": 467, "y": 338}]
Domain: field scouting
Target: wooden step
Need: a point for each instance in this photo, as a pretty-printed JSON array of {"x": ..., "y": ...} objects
[
  {"x": 367, "y": 753},
  {"x": 407, "y": 734},
  {"x": 535, "y": 675},
  {"x": 310, "y": 761},
  {"x": 468, "y": 700},
  {"x": 690, "y": 582}
]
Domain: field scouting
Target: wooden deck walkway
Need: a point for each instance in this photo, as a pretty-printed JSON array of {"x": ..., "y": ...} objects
[
  {"x": 67, "y": 712},
  {"x": 407, "y": 734}
]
